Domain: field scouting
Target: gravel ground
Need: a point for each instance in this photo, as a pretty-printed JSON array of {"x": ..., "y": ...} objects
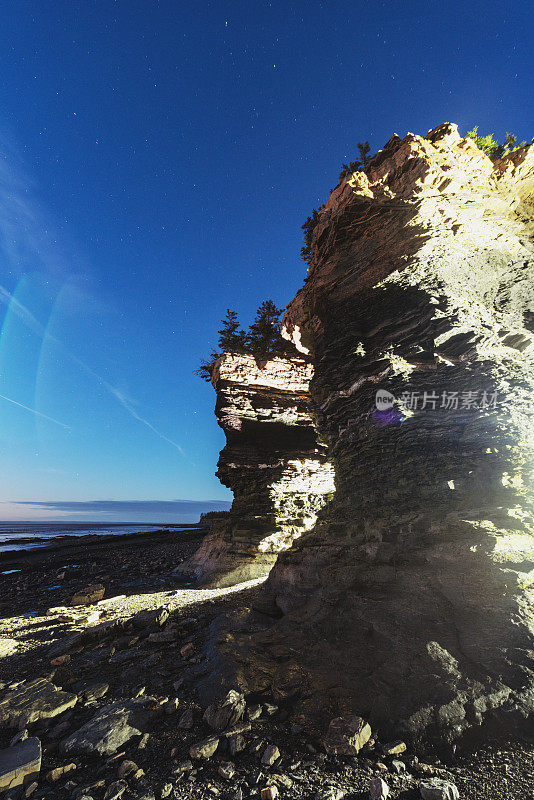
[{"x": 134, "y": 660}]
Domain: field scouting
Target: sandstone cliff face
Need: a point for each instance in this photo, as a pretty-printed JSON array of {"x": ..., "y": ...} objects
[
  {"x": 271, "y": 461},
  {"x": 411, "y": 600}
]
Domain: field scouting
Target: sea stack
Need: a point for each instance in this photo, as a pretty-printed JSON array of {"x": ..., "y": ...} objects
[{"x": 410, "y": 601}]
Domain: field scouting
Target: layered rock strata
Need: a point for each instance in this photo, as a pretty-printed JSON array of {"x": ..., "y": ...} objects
[
  {"x": 272, "y": 462},
  {"x": 410, "y": 603}
]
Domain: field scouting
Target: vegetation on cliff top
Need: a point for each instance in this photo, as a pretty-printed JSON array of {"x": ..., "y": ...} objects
[
  {"x": 493, "y": 149},
  {"x": 487, "y": 144},
  {"x": 263, "y": 337}
]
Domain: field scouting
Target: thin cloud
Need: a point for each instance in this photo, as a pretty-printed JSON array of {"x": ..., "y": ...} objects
[
  {"x": 38, "y": 328},
  {"x": 126, "y": 405},
  {"x": 34, "y": 411},
  {"x": 30, "y": 241},
  {"x": 146, "y": 511}
]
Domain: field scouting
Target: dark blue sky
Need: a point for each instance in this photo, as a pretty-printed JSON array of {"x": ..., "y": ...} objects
[{"x": 157, "y": 160}]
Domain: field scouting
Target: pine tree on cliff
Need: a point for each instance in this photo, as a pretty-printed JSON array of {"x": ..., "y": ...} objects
[
  {"x": 232, "y": 339},
  {"x": 263, "y": 337},
  {"x": 492, "y": 148}
]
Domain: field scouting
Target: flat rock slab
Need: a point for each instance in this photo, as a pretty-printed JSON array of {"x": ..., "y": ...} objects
[
  {"x": 20, "y": 764},
  {"x": 89, "y": 595},
  {"x": 7, "y": 646},
  {"x": 33, "y": 700},
  {"x": 113, "y": 726}
]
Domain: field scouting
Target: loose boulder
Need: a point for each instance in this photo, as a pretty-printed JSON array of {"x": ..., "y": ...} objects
[
  {"x": 34, "y": 700},
  {"x": 88, "y": 596},
  {"x": 113, "y": 726},
  {"x": 20, "y": 764},
  {"x": 438, "y": 789},
  {"x": 347, "y": 735},
  {"x": 230, "y": 711}
]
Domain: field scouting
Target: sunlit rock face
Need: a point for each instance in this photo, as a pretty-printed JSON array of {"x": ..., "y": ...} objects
[
  {"x": 272, "y": 462},
  {"x": 411, "y": 601}
]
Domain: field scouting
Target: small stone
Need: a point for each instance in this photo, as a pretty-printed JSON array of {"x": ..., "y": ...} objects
[
  {"x": 184, "y": 766},
  {"x": 398, "y": 766},
  {"x": 381, "y": 767},
  {"x": 424, "y": 769},
  {"x": 59, "y": 660},
  {"x": 236, "y": 744},
  {"x": 270, "y": 755},
  {"x": 269, "y": 793},
  {"x": 115, "y": 790},
  {"x": 20, "y": 763},
  {"x": 171, "y": 706},
  {"x": 227, "y": 713},
  {"x": 30, "y": 789},
  {"x": 378, "y": 789},
  {"x": 347, "y": 735},
  {"x": 186, "y": 721},
  {"x": 93, "y": 690},
  {"x": 394, "y": 748},
  {"x": 204, "y": 749},
  {"x": 241, "y": 727},
  {"x": 187, "y": 650},
  {"x": 254, "y": 712},
  {"x": 88, "y": 596},
  {"x": 226, "y": 770},
  {"x": 438, "y": 789},
  {"x": 138, "y": 774},
  {"x": 330, "y": 793},
  {"x": 282, "y": 780},
  {"x": 55, "y": 774},
  {"x": 127, "y": 768},
  {"x": 165, "y": 791},
  {"x": 147, "y": 618}
]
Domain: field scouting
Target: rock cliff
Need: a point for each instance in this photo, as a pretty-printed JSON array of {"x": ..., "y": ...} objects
[
  {"x": 410, "y": 602},
  {"x": 272, "y": 462}
]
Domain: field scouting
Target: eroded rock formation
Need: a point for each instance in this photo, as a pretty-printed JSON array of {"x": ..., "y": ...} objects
[
  {"x": 272, "y": 462},
  {"x": 410, "y": 603}
]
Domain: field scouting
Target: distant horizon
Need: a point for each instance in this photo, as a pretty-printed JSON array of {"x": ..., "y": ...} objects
[{"x": 107, "y": 512}]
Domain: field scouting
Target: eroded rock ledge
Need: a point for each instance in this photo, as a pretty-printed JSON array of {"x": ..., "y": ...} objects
[
  {"x": 411, "y": 601},
  {"x": 272, "y": 462}
]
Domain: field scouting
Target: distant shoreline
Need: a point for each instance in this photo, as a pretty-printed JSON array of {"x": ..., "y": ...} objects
[{"x": 72, "y": 541}]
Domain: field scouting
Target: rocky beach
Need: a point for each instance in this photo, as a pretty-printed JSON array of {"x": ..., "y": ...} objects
[{"x": 108, "y": 689}]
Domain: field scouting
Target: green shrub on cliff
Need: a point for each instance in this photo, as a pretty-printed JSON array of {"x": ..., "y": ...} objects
[
  {"x": 493, "y": 149},
  {"x": 355, "y": 166},
  {"x": 232, "y": 339},
  {"x": 263, "y": 337}
]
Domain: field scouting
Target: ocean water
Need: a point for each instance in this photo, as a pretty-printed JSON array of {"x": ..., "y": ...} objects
[{"x": 32, "y": 535}]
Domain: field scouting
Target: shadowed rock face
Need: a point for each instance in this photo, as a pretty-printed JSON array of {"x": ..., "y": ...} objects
[
  {"x": 410, "y": 603},
  {"x": 271, "y": 461}
]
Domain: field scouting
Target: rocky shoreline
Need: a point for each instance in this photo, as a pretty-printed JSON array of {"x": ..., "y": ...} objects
[{"x": 109, "y": 692}]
